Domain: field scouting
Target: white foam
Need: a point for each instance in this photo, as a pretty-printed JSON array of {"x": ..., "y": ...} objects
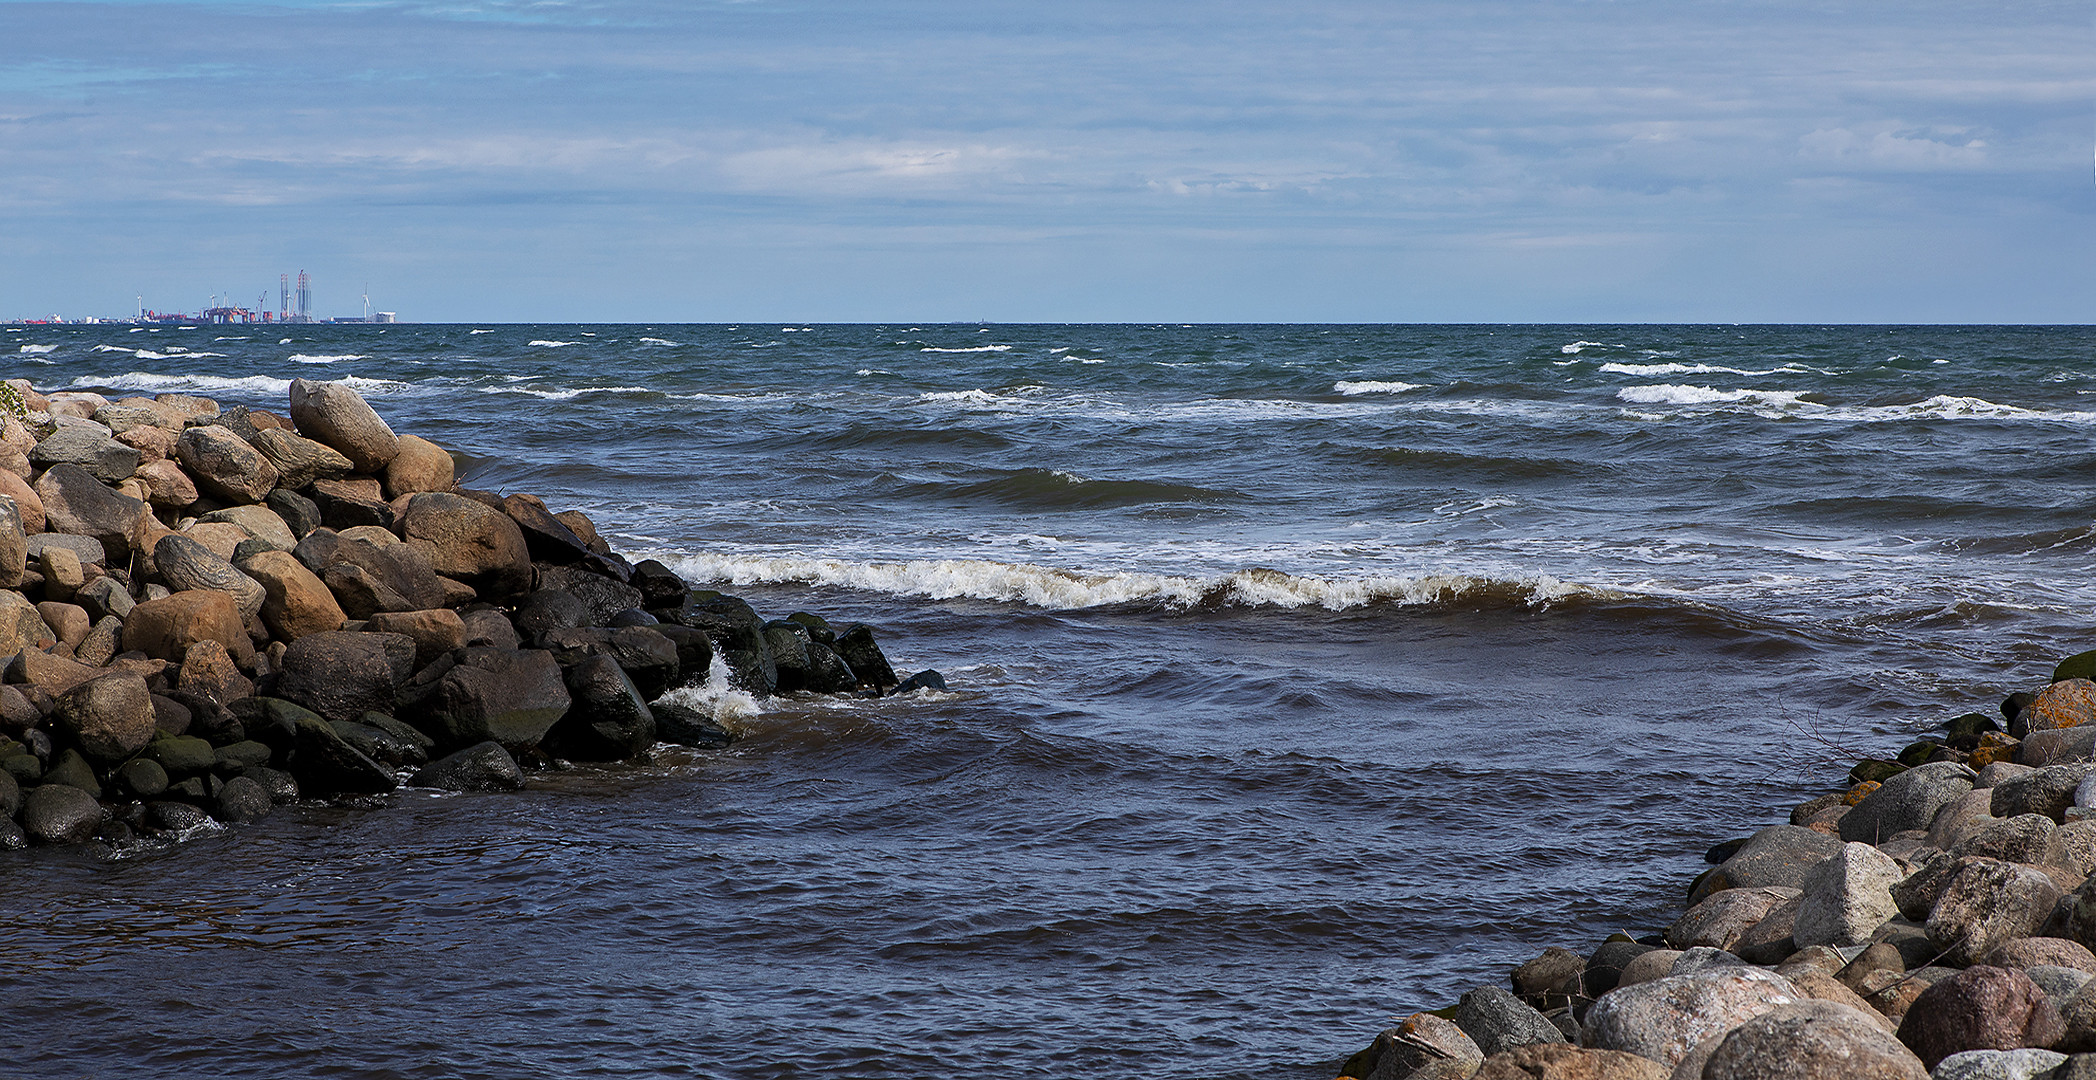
[
  {"x": 1675, "y": 394},
  {"x": 284, "y": 341},
  {"x": 217, "y": 384},
  {"x": 564, "y": 395},
  {"x": 543, "y": 344},
  {"x": 1695, "y": 369},
  {"x": 718, "y": 698},
  {"x": 1578, "y": 347},
  {"x": 229, "y": 339},
  {"x": 1357, "y": 388},
  {"x": 872, "y": 371},
  {"x": 966, "y": 397},
  {"x": 38, "y": 349},
  {"x": 1060, "y": 589},
  {"x": 304, "y": 359},
  {"x": 656, "y": 341},
  {"x": 469, "y": 333},
  {"x": 979, "y": 348}
]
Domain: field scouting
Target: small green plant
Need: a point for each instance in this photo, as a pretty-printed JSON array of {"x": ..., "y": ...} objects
[{"x": 11, "y": 401}]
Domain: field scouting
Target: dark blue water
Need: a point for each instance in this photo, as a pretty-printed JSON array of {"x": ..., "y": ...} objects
[{"x": 1301, "y": 676}]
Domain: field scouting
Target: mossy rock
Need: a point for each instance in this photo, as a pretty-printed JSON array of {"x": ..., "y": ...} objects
[
  {"x": 24, "y": 767},
  {"x": 1972, "y": 724},
  {"x": 181, "y": 755},
  {"x": 1918, "y": 753},
  {"x": 2081, "y": 665},
  {"x": 72, "y": 769},
  {"x": 1875, "y": 770}
]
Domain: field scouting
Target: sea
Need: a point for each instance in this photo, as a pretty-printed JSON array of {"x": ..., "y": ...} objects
[{"x": 1298, "y": 678}]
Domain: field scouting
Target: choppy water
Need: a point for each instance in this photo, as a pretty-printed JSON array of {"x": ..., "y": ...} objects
[{"x": 1302, "y": 676}]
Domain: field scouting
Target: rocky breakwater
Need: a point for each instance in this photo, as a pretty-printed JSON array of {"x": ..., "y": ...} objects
[
  {"x": 209, "y": 612},
  {"x": 1936, "y": 918}
]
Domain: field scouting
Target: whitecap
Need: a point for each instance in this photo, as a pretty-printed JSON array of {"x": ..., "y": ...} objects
[
  {"x": 564, "y": 394},
  {"x": 469, "y": 333},
  {"x": 1355, "y": 388},
  {"x": 965, "y": 397},
  {"x": 304, "y": 359},
  {"x": 656, "y": 341},
  {"x": 1578, "y": 347},
  {"x": 38, "y": 350},
  {"x": 979, "y": 348},
  {"x": 261, "y": 385},
  {"x": 1696, "y": 369},
  {"x": 717, "y": 697},
  {"x": 543, "y": 344},
  {"x": 1675, "y": 394}
]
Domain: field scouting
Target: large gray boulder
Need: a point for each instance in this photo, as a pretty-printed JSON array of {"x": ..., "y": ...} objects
[
  {"x": 1986, "y": 903},
  {"x": 1811, "y": 1040},
  {"x": 224, "y": 466},
  {"x": 2048, "y": 791},
  {"x": 1909, "y": 800},
  {"x": 14, "y": 544},
  {"x": 77, "y": 503},
  {"x": 300, "y": 461},
  {"x": 1847, "y": 897},
  {"x": 90, "y": 447},
  {"x": 1720, "y": 920},
  {"x": 1498, "y": 1021},
  {"x": 335, "y": 414},
  {"x": 1665, "y": 1019},
  {"x": 1777, "y": 855}
]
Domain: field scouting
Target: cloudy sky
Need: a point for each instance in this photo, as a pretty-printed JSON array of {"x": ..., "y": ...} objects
[{"x": 873, "y": 160}]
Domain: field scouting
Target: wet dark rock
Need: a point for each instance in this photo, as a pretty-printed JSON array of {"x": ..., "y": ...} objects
[
  {"x": 788, "y": 643},
  {"x": 547, "y": 537},
  {"x": 489, "y": 626},
  {"x": 174, "y": 817},
  {"x": 512, "y": 697},
  {"x": 480, "y": 767},
  {"x": 340, "y": 673},
  {"x": 1498, "y": 1021},
  {"x": 603, "y": 596},
  {"x": 659, "y": 586},
  {"x": 281, "y": 786},
  {"x": 923, "y": 680},
  {"x": 819, "y": 630},
  {"x": 608, "y": 721},
  {"x": 242, "y": 800},
  {"x": 141, "y": 779},
  {"x": 237, "y": 758},
  {"x": 378, "y": 745},
  {"x": 827, "y": 672},
  {"x": 72, "y": 770},
  {"x": 325, "y": 764},
  {"x": 647, "y": 656},
  {"x": 686, "y": 726},
  {"x": 694, "y": 650},
  {"x": 60, "y": 814},
  {"x": 548, "y": 610},
  {"x": 858, "y": 648},
  {"x": 633, "y": 617}
]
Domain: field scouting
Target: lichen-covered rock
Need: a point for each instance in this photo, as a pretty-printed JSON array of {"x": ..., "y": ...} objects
[
  {"x": 335, "y": 414},
  {"x": 224, "y": 466},
  {"x": 1980, "y": 1008},
  {"x": 90, "y": 447},
  {"x": 1666, "y": 1019},
  {"x": 2068, "y": 703},
  {"x": 1907, "y": 801},
  {"x": 1721, "y": 920},
  {"x": 1847, "y": 897}
]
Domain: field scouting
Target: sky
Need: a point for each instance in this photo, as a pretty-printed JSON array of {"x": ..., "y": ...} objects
[{"x": 1138, "y": 160}]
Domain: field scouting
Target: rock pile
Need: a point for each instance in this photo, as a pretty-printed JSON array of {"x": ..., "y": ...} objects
[
  {"x": 207, "y": 612},
  {"x": 1934, "y": 920}
]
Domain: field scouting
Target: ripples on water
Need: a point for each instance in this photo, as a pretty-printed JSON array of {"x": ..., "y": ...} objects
[{"x": 1303, "y": 677}]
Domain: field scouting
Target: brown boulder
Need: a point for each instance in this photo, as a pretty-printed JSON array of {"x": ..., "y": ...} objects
[
  {"x": 186, "y": 565},
  {"x": 296, "y": 602},
  {"x": 224, "y": 466},
  {"x": 435, "y": 632},
  {"x": 77, "y": 503},
  {"x": 332, "y": 413},
  {"x": 167, "y": 485},
  {"x": 2068, "y": 703},
  {"x": 109, "y": 716},
  {"x": 152, "y": 443},
  {"x": 300, "y": 461},
  {"x": 1561, "y": 1061},
  {"x": 466, "y": 540},
  {"x": 14, "y": 544},
  {"x": 208, "y": 671},
  {"x": 1980, "y": 1008},
  {"x": 21, "y": 625},
  {"x": 2022, "y": 954},
  {"x": 54, "y": 675},
  {"x": 1724, "y": 918},
  {"x": 1811, "y": 1040},
  {"x": 27, "y": 503},
  {"x": 420, "y": 466},
  {"x": 165, "y": 628}
]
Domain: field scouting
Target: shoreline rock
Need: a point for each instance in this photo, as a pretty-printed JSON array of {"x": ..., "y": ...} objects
[
  {"x": 1935, "y": 918},
  {"x": 207, "y": 613}
]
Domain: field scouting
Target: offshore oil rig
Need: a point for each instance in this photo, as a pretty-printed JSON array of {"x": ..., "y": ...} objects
[{"x": 227, "y": 313}]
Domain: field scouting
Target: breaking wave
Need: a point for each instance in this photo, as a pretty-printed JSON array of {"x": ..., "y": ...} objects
[
  {"x": 1352, "y": 389},
  {"x": 147, "y": 382},
  {"x": 1059, "y": 589},
  {"x": 979, "y": 348}
]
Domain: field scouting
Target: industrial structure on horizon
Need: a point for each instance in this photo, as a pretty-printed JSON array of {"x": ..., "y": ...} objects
[{"x": 226, "y": 312}]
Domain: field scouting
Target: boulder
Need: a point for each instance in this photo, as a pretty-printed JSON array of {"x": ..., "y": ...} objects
[
  {"x": 603, "y": 596},
  {"x": 868, "y": 663},
  {"x": 2068, "y": 703},
  {"x": 647, "y": 656},
  {"x": 187, "y": 565},
  {"x": 549, "y": 539},
  {"x": 257, "y": 521},
  {"x": 165, "y": 628},
  {"x": 480, "y": 767},
  {"x": 298, "y": 513},
  {"x": 466, "y": 540},
  {"x": 2025, "y": 838},
  {"x": 335, "y": 414},
  {"x": 1811, "y": 1040},
  {"x": 1980, "y": 1008},
  {"x": 488, "y": 626},
  {"x": 208, "y": 671},
  {"x": 27, "y": 504},
  {"x": 827, "y": 672},
  {"x": 1665, "y": 1019},
  {"x": 300, "y": 461},
  {"x": 324, "y": 763},
  {"x": 392, "y": 572},
  {"x": 52, "y": 674},
  {"x": 1647, "y": 966},
  {"x": 1565, "y": 1062},
  {"x": 14, "y": 544},
  {"x": 71, "y": 769},
  {"x": 2022, "y": 954},
  {"x": 434, "y": 632},
  {"x": 1721, "y": 919},
  {"x": 352, "y": 502},
  {"x": 77, "y": 503},
  {"x": 90, "y": 447},
  {"x": 1498, "y": 1021},
  {"x": 1847, "y": 897},
  {"x": 509, "y": 696},
  {"x": 788, "y": 642},
  {"x": 60, "y": 814},
  {"x": 1778, "y": 855},
  {"x": 1909, "y": 800},
  {"x": 1987, "y": 902},
  {"x": 2078, "y": 1018},
  {"x": 607, "y": 720},
  {"x": 1999, "y": 1065},
  {"x": 295, "y": 602},
  {"x": 109, "y": 716},
  {"x": 1549, "y": 975},
  {"x": 2048, "y": 791},
  {"x": 69, "y": 621},
  {"x": 86, "y": 550},
  {"x": 419, "y": 466},
  {"x": 1420, "y": 1041},
  {"x": 686, "y": 726},
  {"x": 223, "y": 465},
  {"x": 182, "y": 756},
  {"x": 341, "y": 674},
  {"x": 240, "y": 801},
  {"x": 548, "y": 610},
  {"x": 21, "y": 625}
]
